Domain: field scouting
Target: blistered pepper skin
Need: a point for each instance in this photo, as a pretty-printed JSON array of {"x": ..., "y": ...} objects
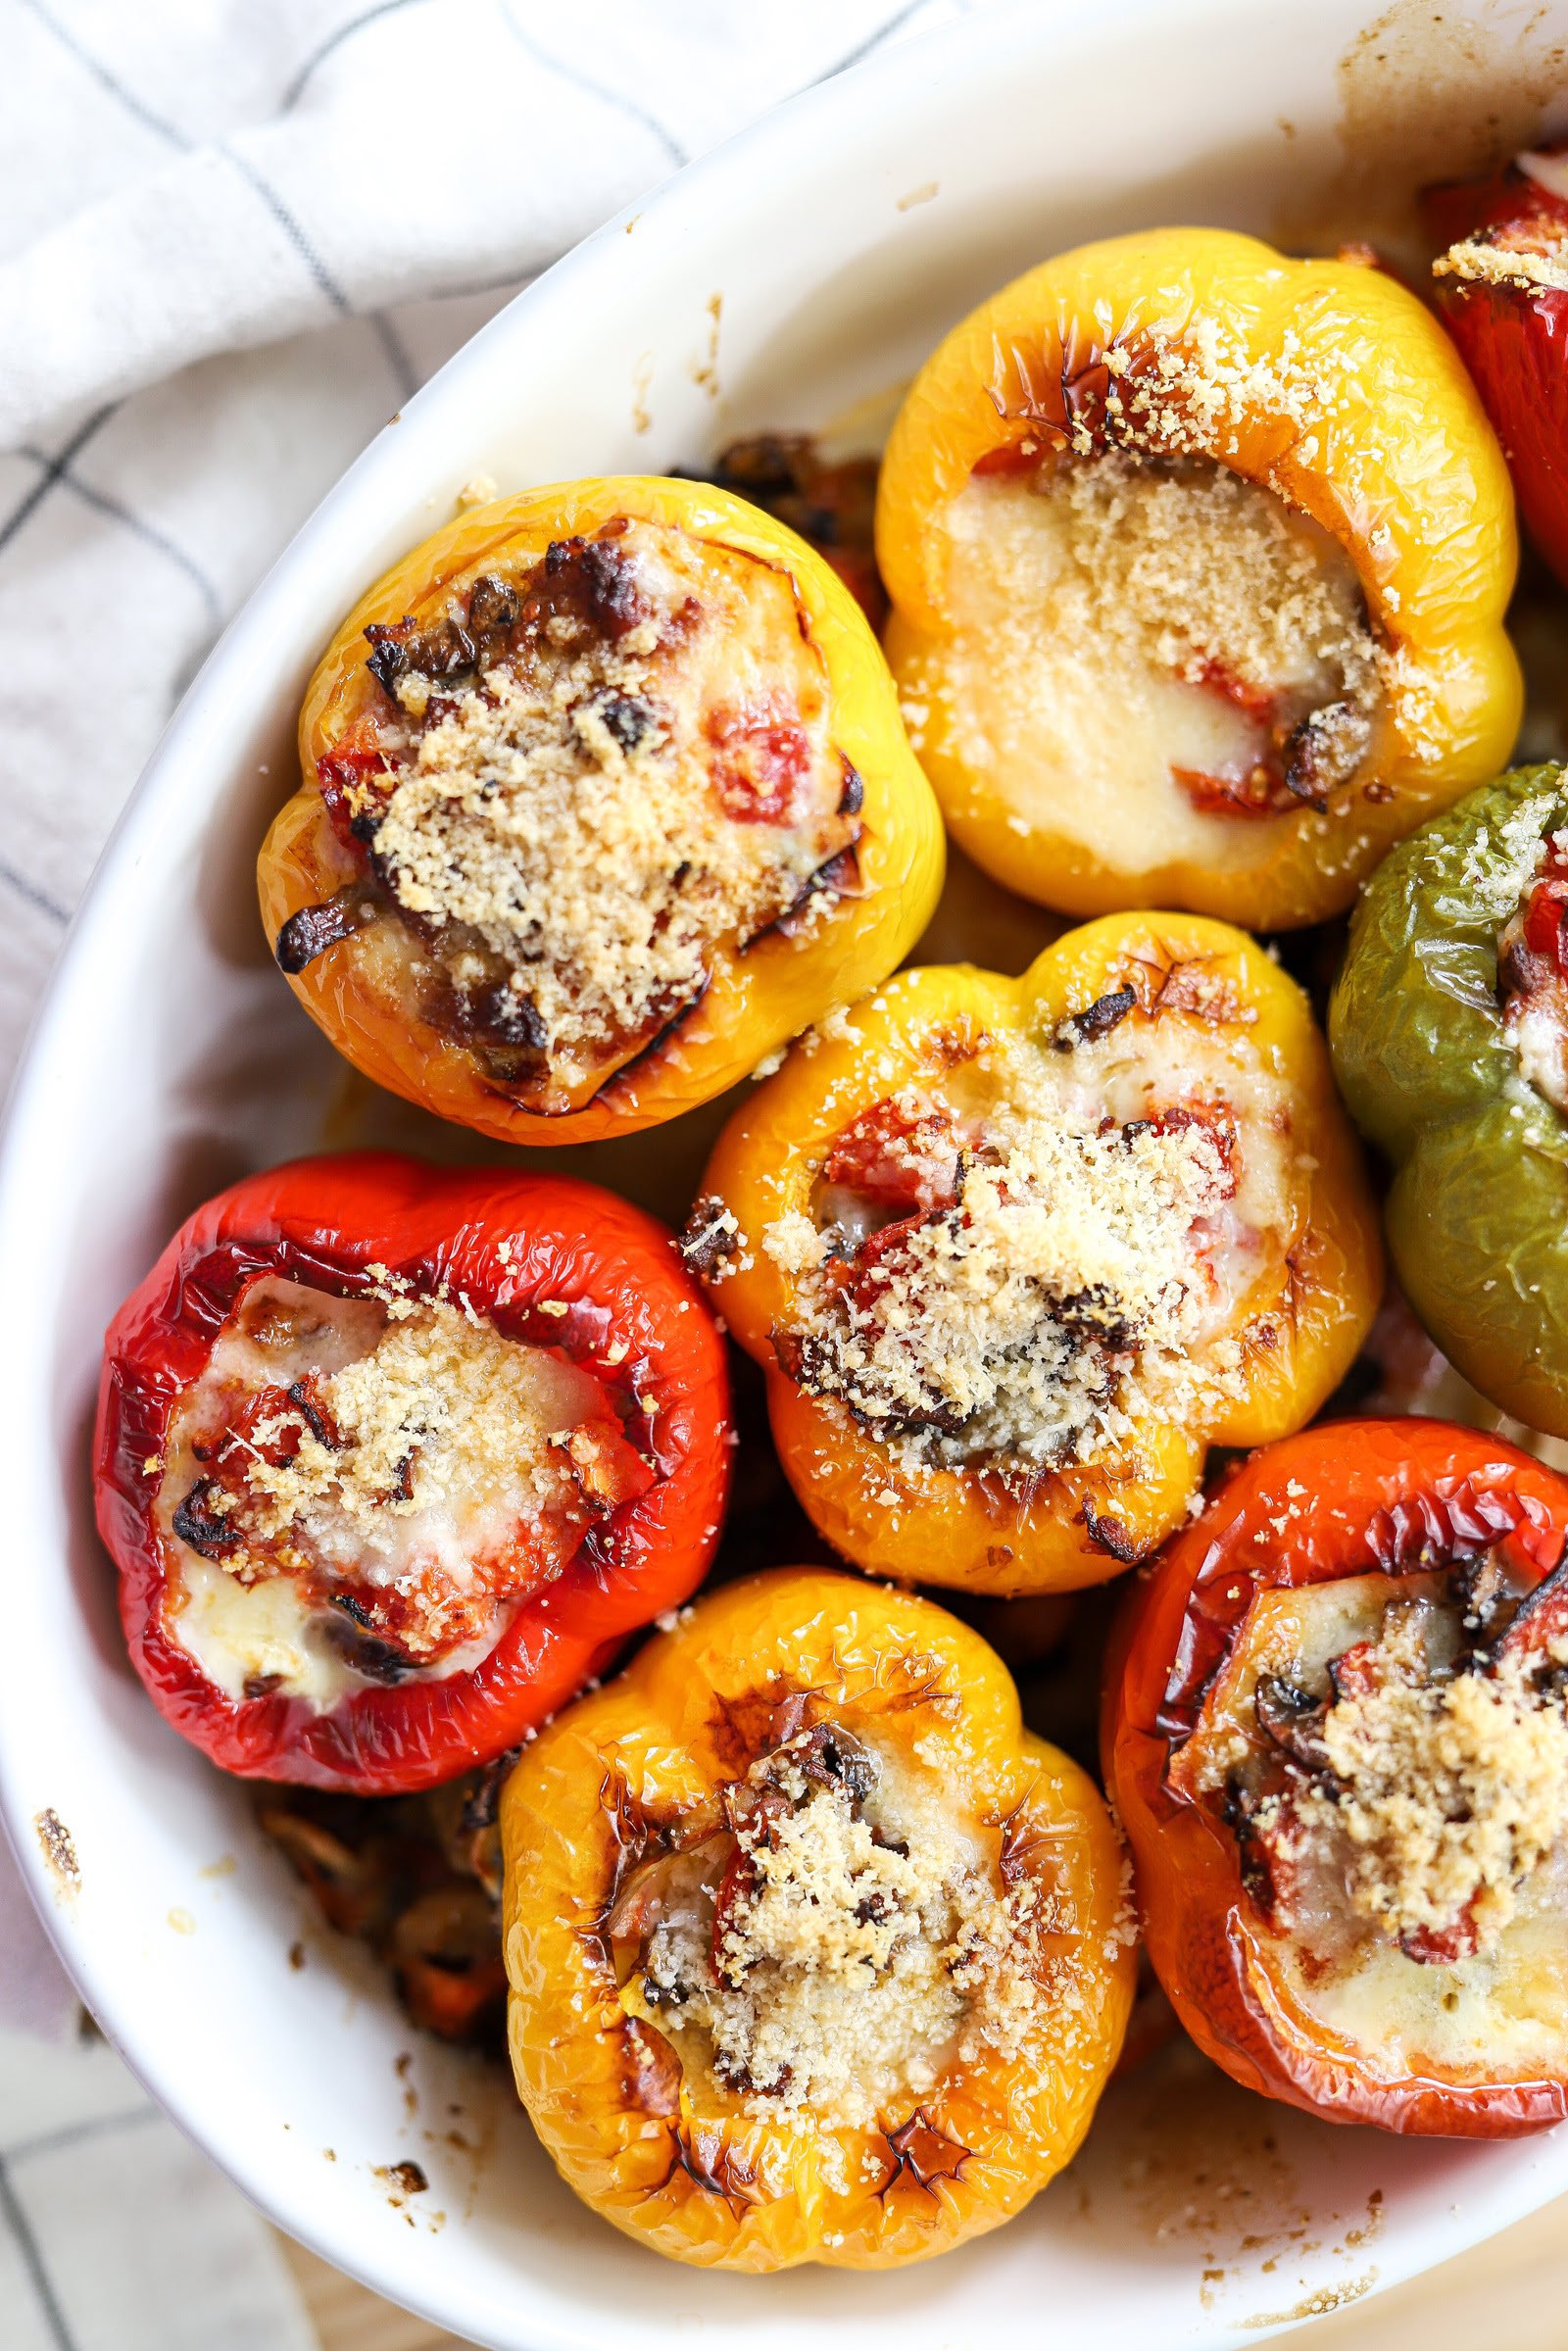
[
  {"x": 954, "y": 1527},
  {"x": 1401, "y": 470},
  {"x": 1476, "y": 1216},
  {"x": 702, "y": 2176},
  {"x": 756, "y": 998},
  {"x": 1348, "y": 1498},
  {"x": 504, "y": 1242}
]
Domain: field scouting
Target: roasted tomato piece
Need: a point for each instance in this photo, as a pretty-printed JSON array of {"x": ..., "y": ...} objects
[
  {"x": 604, "y": 797},
  {"x": 1199, "y": 557},
  {"x": 1014, "y": 1253},
  {"x": 1501, "y": 284},
  {"x": 816, "y": 1953},
  {"x": 1334, "y": 1735},
  {"x": 390, "y": 1459}
]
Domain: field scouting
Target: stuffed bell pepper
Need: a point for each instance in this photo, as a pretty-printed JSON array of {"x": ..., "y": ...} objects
[
  {"x": 391, "y": 1459},
  {"x": 1501, "y": 284},
  {"x": 1198, "y": 558},
  {"x": 1015, "y": 1252},
  {"x": 604, "y": 797},
  {"x": 1449, "y": 1033},
  {"x": 1334, "y": 1737},
  {"x": 816, "y": 1953}
]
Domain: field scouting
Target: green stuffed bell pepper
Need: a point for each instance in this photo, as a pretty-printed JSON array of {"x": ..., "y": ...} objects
[{"x": 1449, "y": 1028}]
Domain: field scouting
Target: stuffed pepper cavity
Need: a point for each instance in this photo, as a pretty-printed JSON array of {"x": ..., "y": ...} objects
[
  {"x": 390, "y": 1460},
  {"x": 605, "y": 795},
  {"x": 1334, "y": 1735},
  {"x": 1449, "y": 1027},
  {"x": 1198, "y": 558},
  {"x": 1014, "y": 1253},
  {"x": 1501, "y": 284},
  {"x": 814, "y": 1953}
]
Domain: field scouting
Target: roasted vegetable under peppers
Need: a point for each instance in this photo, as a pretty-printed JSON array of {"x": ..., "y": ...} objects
[
  {"x": 1198, "y": 558},
  {"x": 604, "y": 797},
  {"x": 1501, "y": 283},
  {"x": 392, "y": 1459},
  {"x": 1015, "y": 1252},
  {"x": 1334, "y": 1735},
  {"x": 816, "y": 1953},
  {"x": 1449, "y": 1033}
]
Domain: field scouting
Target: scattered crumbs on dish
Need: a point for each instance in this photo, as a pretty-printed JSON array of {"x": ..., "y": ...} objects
[
  {"x": 705, "y": 375},
  {"x": 919, "y": 195},
  {"x": 223, "y": 1867},
  {"x": 480, "y": 490},
  {"x": 1314, "y": 2306},
  {"x": 404, "y": 2069},
  {"x": 59, "y": 1852},
  {"x": 182, "y": 1922},
  {"x": 642, "y": 380},
  {"x": 329, "y": 2154},
  {"x": 296, "y": 1956}
]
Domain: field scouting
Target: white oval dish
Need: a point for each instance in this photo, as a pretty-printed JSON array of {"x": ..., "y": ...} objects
[{"x": 806, "y": 268}]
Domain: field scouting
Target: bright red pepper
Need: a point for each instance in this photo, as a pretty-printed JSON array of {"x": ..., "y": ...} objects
[
  {"x": 635, "y": 1483},
  {"x": 1215, "y": 1669}
]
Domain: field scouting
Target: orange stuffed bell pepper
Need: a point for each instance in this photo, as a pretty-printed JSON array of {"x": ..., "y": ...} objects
[
  {"x": 1198, "y": 558},
  {"x": 1334, "y": 1732},
  {"x": 604, "y": 797},
  {"x": 1015, "y": 1252},
  {"x": 816, "y": 1954}
]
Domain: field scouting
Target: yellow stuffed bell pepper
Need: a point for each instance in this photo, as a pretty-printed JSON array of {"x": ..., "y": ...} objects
[
  {"x": 1015, "y": 1252},
  {"x": 1198, "y": 558},
  {"x": 816, "y": 1954},
  {"x": 604, "y": 795}
]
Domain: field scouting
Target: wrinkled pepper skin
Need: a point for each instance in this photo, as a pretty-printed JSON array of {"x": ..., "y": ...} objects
[
  {"x": 1401, "y": 470},
  {"x": 1513, "y": 332},
  {"x": 955, "y": 1527},
  {"x": 758, "y": 998},
  {"x": 1372, "y": 1491},
  {"x": 1477, "y": 1218},
  {"x": 505, "y": 1240},
  {"x": 698, "y": 2177}
]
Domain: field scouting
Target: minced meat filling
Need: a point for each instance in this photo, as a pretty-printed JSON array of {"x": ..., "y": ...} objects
[
  {"x": 850, "y": 1945},
  {"x": 1414, "y": 1796},
  {"x": 406, "y": 1467},
  {"x": 1038, "y": 1278},
  {"x": 629, "y": 763},
  {"x": 1533, "y": 974}
]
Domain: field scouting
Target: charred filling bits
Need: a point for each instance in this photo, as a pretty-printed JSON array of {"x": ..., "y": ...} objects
[
  {"x": 832, "y": 1942},
  {"x": 1409, "y": 1789},
  {"x": 580, "y": 782}
]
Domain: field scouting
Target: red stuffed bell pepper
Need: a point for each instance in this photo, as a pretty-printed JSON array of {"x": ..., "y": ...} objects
[
  {"x": 391, "y": 1458},
  {"x": 1335, "y": 1734},
  {"x": 1501, "y": 286}
]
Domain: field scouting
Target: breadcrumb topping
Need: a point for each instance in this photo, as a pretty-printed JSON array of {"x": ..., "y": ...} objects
[
  {"x": 864, "y": 1947},
  {"x": 585, "y": 821},
  {"x": 1450, "y": 1792},
  {"x": 1481, "y": 261}
]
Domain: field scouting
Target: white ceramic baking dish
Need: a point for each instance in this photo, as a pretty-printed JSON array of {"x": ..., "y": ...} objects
[{"x": 796, "y": 277}]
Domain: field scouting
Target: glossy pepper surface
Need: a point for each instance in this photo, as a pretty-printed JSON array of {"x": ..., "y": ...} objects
[
  {"x": 1326, "y": 383},
  {"x": 755, "y": 993},
  {"x": 629, "y": 1794},
  {"x": 590, "y": 1282},
  {"x": 1353, "y": 1508},
  {"x": 1447, "y": 1029},
  {"x": 1170, "y": 987}
]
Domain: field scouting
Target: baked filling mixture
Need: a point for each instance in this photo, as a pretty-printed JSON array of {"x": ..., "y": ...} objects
[
  {"x": 1392, "y": 1755},
  {"x": 578, "y": 786},
  {"x": 1174, "y": 641},
  {"x": 1012, "y": 1264},
  {"x": 1530, "y": 253},
  {"x": 840, "y": 1937},
  {"x": 364, "y": 1488},
  {"x": 1533, "y": 973}
]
